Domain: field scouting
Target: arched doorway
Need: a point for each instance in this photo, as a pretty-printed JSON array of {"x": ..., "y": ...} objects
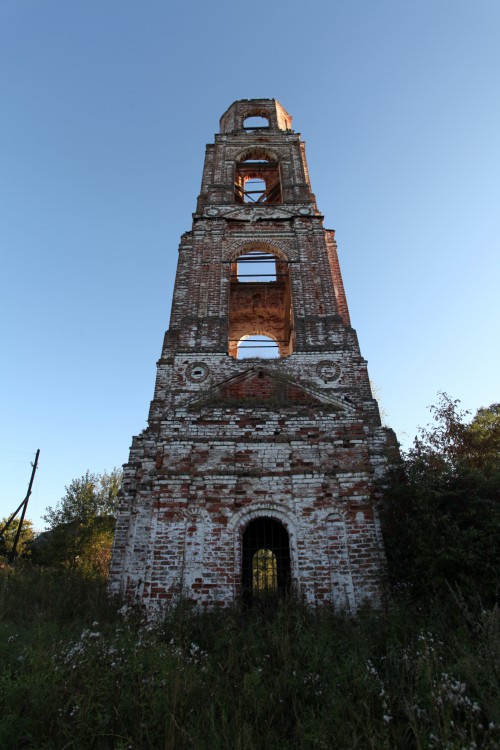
[{"x": 265, "y": 559}]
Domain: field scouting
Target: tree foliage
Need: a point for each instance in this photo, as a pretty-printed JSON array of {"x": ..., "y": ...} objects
[
  {"x": 87, "y": 498},
  {"x": 442, "y": 509},
  {"x": 25, "y": 538},
  {"x": 81, "y": 525}
]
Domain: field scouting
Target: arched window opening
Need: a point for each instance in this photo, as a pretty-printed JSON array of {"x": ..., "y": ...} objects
[
  {"x": 261, "y": 320},
  {"x": 266, "y": 569},
  {"x": 256, "y": 266},
  {"x": 255, "y": 123},
  {"x": 258, "y": 345},
  {"x": 257, "y": 179}
]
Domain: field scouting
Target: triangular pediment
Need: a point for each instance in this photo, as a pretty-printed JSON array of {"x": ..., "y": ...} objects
[{"x": 259, "y": 386}]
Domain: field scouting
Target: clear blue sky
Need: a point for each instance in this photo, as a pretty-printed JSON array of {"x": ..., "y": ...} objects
[{"x": 106, "y": 107}]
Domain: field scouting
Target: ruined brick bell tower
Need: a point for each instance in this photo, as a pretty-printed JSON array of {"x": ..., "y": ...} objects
[{"x": 257, "y": 472}]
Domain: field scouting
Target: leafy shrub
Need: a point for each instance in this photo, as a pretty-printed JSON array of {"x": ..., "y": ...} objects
[
  {"x": 25, "y": 537},
  {"x": 442, "y": 509},
  {"x": 81, "y": 525}
]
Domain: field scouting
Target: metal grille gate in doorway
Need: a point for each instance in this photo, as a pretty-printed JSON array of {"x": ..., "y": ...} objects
[{"x": 266, "y": 559}]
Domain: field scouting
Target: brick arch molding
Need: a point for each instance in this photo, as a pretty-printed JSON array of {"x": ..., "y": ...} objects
[{"x": 234, "y": 249}]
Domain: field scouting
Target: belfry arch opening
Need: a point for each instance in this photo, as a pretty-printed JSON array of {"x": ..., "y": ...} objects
[
  {"x": 258, "y": 345},
  {"x": 255, "y": 266},
  {"x": 255, "y": 122},
  {"x": 260, "y": 305},
  {"x": 266, "y": 569},
  {"x": 257, "y": 178}
]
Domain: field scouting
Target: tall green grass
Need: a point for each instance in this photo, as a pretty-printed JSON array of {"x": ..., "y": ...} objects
[{"x": 78, "y": 673}]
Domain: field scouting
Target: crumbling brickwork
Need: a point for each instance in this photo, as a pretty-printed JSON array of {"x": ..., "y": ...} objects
[{"x": 289, "y": 448}]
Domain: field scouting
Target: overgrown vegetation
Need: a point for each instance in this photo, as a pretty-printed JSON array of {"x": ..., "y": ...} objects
[
  {"x": 77, "y": 673},
  {"x": 442, "y": 510},
  {"x": 81, "y": 525}
]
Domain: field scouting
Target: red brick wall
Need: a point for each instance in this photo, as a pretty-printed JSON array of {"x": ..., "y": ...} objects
[{"x": 296, "y": 439}]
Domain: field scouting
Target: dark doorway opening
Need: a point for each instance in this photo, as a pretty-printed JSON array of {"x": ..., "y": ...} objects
[{"x": 266, "y": 560}]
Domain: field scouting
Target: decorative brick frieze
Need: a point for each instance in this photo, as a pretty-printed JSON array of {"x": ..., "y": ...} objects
[{"x": 289, "y": 447}]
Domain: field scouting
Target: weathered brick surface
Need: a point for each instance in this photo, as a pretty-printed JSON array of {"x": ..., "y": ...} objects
[{"x": 297, "y": 439}]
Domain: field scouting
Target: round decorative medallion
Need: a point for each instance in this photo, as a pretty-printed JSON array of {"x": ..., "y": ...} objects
[
  {"x": 328, "y": 370},
  {"x": 212, "y": 211},
  {"x": 305, "y": 211},
  {"x": 197, "y": 372}
]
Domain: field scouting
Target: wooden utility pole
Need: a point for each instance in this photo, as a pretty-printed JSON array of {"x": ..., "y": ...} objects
[{"x": 23, "y": 505}]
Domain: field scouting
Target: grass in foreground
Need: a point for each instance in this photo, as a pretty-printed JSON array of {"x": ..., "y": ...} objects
[{"x": 77, "y": 673}]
